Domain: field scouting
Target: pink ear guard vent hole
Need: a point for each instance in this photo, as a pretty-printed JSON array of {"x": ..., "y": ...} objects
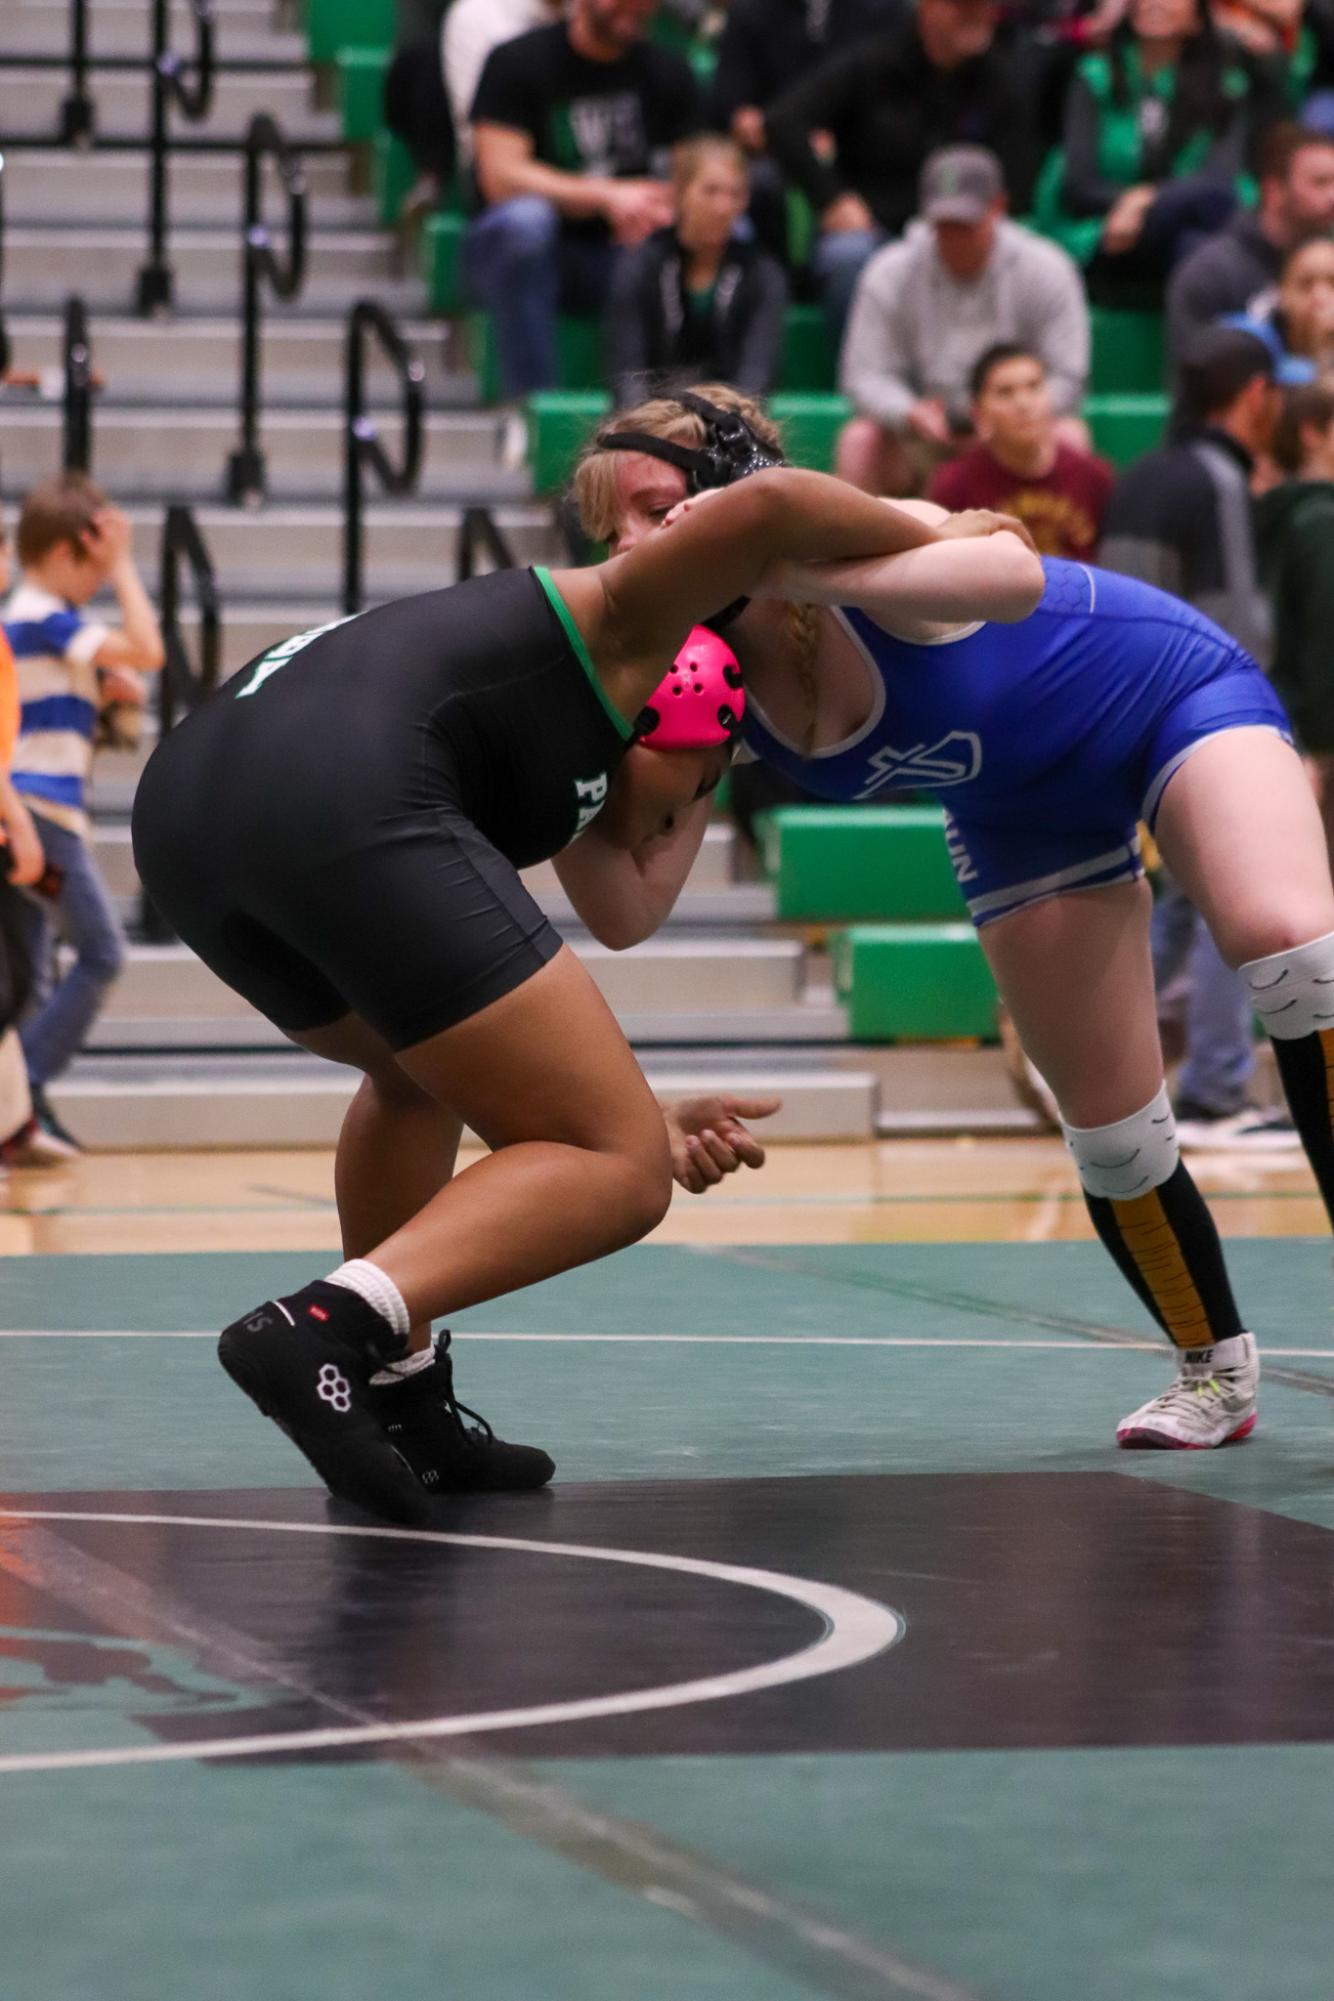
[{"x": 700, "y": 701}]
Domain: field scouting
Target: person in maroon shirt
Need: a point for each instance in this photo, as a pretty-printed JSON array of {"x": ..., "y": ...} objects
[{"x": 1022, "y": 463}]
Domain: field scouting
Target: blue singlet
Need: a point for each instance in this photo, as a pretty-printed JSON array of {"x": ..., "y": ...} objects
[{"x": 1049, "y": 740}]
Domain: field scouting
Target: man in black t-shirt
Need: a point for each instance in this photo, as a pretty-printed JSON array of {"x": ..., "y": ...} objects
[{"x": 573, "y": 127}]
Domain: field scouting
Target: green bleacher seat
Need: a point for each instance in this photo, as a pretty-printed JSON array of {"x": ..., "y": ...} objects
[
  {"x": 1129, "y": 354},
  {"x": 835, "y": 864},
  {"x": 914, "y": 983},
  {"x": 1125, "y": 427},
  {"x": 579, "y": 360},
  {"x": 810, "y": 427},
  {"x": 809, "y": 359},
  {"x": 559, "y": 421},
  {"x": 332, "y": 25},
  {"x": 392, "y": 175},
  {"x": 441, "y": 238},
  {"x": 360, "y": 75}
]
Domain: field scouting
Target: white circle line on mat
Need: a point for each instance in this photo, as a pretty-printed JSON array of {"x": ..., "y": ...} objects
[{"x": 856, "y": 1630}]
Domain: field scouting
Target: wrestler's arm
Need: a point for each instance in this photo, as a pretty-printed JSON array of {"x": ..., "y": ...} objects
[
  {"x": 625, "y": 872},
  {"x": 635, "y": 610},
  {"x": 965, "y": 576}
]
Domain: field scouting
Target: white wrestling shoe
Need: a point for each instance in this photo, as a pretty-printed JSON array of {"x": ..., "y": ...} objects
[{"x": 1207, "y": 1405}]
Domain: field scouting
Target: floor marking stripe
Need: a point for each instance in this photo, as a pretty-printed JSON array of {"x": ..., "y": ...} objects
[
  {"x": 800, "y": 1940},
  {"x": 1092, "y": 1331},
  {"x": 857, "y": 1629},
  {"x": 1086, "y": 1345}
]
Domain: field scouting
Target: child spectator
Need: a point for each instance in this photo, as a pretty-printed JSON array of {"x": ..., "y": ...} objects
[
  {"x": 1295, "y": 526},
  {"x": 696, "y": 303},
  {"x": 22, "y": 865},
  {"x": 1020, "y": 465},
  {"x": 71, "y": 543},
  {"x": 1160, "y": 129},
  {"x": 963, "y": 278},
  {"x": 1296, "y": 320}
]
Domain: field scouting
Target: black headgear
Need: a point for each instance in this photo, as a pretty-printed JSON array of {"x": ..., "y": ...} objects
[{"x": 732, "y": 450}]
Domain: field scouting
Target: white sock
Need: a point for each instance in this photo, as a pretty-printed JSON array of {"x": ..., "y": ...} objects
[
  {"x": 411, "y": 1365},
  {"x": 378, "y": 1290}
]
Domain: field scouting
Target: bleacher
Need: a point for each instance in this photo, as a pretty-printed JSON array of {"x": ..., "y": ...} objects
[{"x": 845, "y": 975}]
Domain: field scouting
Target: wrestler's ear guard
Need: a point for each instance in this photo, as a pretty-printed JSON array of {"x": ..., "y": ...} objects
[{"x": 699, "y": 703}]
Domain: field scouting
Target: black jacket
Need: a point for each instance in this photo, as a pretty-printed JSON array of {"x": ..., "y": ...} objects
[
  {"x": 657, "y": 341},
  {"x": 888, "y": 107},
  {"x": 766, "y": 45},
  {"x": 1222, "y": 275}
]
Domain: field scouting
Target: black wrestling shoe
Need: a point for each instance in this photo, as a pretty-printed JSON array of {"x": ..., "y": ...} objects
[
  {"x": 422, "y": 1417},
  {"x": 306, "y": 1361}
]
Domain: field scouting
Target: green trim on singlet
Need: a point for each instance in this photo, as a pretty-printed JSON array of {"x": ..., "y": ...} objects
[{"x": 581, "y": 653}]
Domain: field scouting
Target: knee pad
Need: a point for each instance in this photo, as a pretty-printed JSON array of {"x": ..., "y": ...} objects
[
  {"x": 1128, "y": 1158},
  {"x": 1293, "y": 991}
]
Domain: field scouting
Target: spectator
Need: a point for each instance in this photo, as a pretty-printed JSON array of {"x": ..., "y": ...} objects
[
  {"x": 71, "y": 543},
  {"x": 416, "y": 109},
  {"x": 1233, "y": 267},
  {"x": 572, "y": 128},
  {"x": 764, "y": 47},
  {"x": 1181, "y": 518},
  {"x": 22, "y": 864},
  {"x": 1159, "y": 130},
  {"x": 1296, "y": 321},
  {"x": 1295, "y": 524},
  {"x": 696, "y": 303},
  {"x": 1020, "y": 465},
  {"x": 943, "y": 77},
  {"x": 962, "y": 279},
  {"x": 472, "y": 28}
]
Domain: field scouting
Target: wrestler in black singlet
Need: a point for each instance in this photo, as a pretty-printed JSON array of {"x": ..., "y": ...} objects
[{"x": 339, "y": 828}]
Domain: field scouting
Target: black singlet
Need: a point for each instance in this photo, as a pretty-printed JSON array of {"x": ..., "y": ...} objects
[{"x": 339, "y": 829}]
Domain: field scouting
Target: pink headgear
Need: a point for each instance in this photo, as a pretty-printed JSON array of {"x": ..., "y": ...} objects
[{"x": 699, "y": 702}]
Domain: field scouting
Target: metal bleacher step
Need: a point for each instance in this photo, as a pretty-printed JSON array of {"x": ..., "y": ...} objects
[
  {"x": 288, "y": 1099},
  {"x": 243, "y": 30},
  {"x": 196, "y": 363},
  {"x": 44, "y": 264},
  {"x": 166, "y": 997},
  {"x": 161, "y": 454},
  {"x": 712, "y": 874},
  {"x": 275, "y": 550},
  {"x": 82, "y": 190},
  {"x": 31, "y": 97}
]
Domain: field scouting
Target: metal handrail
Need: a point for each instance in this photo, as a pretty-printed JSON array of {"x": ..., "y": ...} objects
[
  {"x": 156, "y": 288},
  {"x": 78, "y": 113},
  {"x": 478, "y": 528},
  {"x": 361, "y": 438},
  {"x": 4, "y": 336},
  {"x": 247, "y": 475},
  {"x": 180, "y": 686},
  {"x": 77, "y": 443}
]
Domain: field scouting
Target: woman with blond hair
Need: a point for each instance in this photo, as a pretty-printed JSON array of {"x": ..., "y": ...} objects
[
  {"x": 697, "y": 302},
  {"x": 1049, "y": 741}
]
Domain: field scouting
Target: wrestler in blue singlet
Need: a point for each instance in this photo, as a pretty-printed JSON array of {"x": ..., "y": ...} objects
[{"x": 1048, "y": 740}]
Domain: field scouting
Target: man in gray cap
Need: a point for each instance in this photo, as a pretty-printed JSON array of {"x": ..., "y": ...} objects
[{"x": 963, "y": 278}]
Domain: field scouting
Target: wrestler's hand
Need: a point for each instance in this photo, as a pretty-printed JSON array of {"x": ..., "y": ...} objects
[
  {"x": 974, "y": 521},
  {"x": 708, "y": 1139}
]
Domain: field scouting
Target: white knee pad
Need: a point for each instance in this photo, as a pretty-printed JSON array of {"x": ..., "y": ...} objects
[
  {"x": 1293, "y": 991},
  {"x": 1120, "y": 1161}
]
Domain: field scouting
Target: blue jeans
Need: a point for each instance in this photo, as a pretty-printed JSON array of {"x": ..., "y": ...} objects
[
  {"x": 524, "y": 266},
  {"x": 63, "y": 1011},
  {"x": 1220, "y": 1047},
  {"x": 837, "y": 261}
]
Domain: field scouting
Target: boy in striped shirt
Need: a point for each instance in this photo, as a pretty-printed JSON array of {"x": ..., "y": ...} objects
[{"x": 71, "y": 543}]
